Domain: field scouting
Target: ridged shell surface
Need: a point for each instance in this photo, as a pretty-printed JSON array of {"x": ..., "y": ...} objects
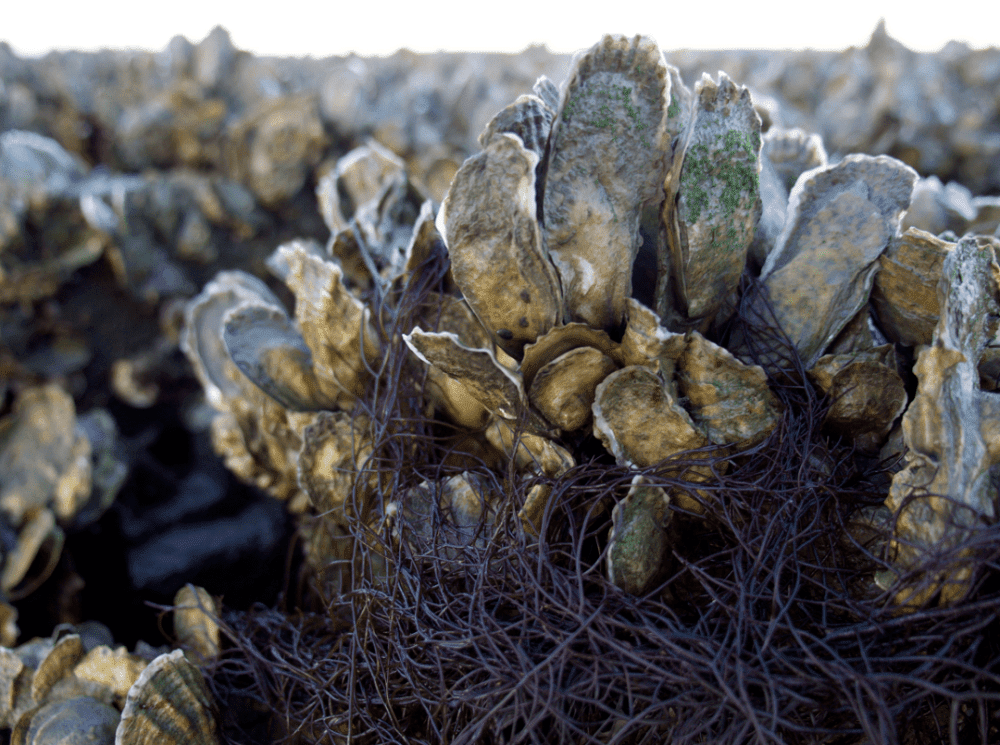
[{"x": 169, "y": 705}]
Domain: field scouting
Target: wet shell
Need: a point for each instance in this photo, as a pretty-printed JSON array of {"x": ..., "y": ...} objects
[
  {"x": 498, "y": 259},
  {"x": 194, "y": 623},
  {"x": 168, "y": 705},
  {"x": 81, "y": 720},
  {"x": 638, "y": 545},
  {"x": 606, "y": 159},
  {"x": 563, "y": 390}
]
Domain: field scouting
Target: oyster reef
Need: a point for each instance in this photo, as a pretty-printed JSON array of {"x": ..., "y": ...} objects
[{"x": 643, "y": 402}]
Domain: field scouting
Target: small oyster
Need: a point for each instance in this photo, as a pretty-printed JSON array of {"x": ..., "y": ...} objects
[
  {"x": 80, "y": 720},
  {"x": 606, "y": 160},
  {"x": 529, "y": 118},
  {"x": 196, "y": 629},
  {"x": 168, "y": 704},
  {"x": 638, "y": 545}
]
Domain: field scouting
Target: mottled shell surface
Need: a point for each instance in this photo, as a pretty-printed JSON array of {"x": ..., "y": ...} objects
[
  {"x": 498, "y": 389},
  {"x": 334, "y": 448},
  {"x": 498, "y": 259},
  {"x": 56, "y": 665},
  {"x": 194, "y": 623},
  {"x": 639, "y": 420},
  {"x": 607, "y": 155},
  {"x": 840, "y": 220},
  {"x": 563, "y": 390},
  {"x": 718, "y": 199},
  {"x": 904, "y": 295},
  {"x": 529, "y": 118},
  {"x": 638, "y": 545},
  {"x": 114, "y": 669},
  {"x": 168, "y": 705},
  {"x": 944, "y": 427}
]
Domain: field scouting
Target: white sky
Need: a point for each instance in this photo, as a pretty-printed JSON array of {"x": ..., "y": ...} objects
[{"x": 379, "y": 27}]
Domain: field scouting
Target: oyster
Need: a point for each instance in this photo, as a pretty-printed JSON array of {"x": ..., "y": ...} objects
[
  {"x": 715, "y": 177},
  {"x": 950, "y": 430},
  {"x": 194, "y": 623},
  {"x": 606, "y": 160},
  {"x": 840, "y": 220},
  {"x": 638, "y": 545},
  {"x": 169, "y": 703},
  {"x": 81, "y": 720}
]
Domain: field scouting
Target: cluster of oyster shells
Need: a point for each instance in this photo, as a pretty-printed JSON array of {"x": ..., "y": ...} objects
[
  {"x": 544, "y": 341},
  {"x": 76, "y": 688}
]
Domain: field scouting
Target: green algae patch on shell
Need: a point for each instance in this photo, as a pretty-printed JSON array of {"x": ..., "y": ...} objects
[
  {"x": 638, "y": 544},
  {"x": 607, "y": 155},
  {"x": 718, "y": 198}
]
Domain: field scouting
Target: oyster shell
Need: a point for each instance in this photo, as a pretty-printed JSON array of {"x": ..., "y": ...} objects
[
  {"x": 840, "y": 220},
  {"x": 196, "y": 628},
  {"x": 904, "y": 295},
  {"x": 529, "y": 118},
  {"x": 638, "y": 545},
  {"x": 498, "y": 259},
  {"x": 606, "y": 160},
  {"x": 80, "y": 720},
  {"x": 563, "y": 390},
  {"x": 950, "y": 429},
  {"x": 168, "y": 704},
  {"x": 718, "y": 199}
]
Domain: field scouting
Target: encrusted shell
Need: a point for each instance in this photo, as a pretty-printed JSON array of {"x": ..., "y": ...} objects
[
  {"x": 528, "y": 118},
  {"x": 639, "y": 420},
  {"x": 638, "y": 545},
  {"x": 563, "y": 390},
  {"x": 168, "y": 705},
  {"x": 607, "y": 158},
  {"x": 718, "y": 199}
]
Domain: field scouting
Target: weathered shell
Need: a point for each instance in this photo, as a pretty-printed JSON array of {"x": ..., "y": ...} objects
[
  {"x": 728, "y": 400},
  {"x": 498, "y": 259},
  {"x": 563, "y": 390},
  {"x": 267, "y": 348},
  {"x": 168, "y": 705},
  {"x": 80, "y": 720},
  {"x": 638, "y": 545},
  {"x": 335, "y": 325},
  {"x": 426, "y": 245},
  {"x": 528, "y": 118},
  {"x": 867, "y": 392},
  {"x": 639, "y": 420},
  {"x": 905, "y": 291},
  {"x": 558, "y": 341},
  {"x": 195, "y": 624},
  {"x": 792, "y": 152},
  {"x": 15, "y": 685},
  {"x": 114, "y": 670},
  {"x": 950, "y": 428},
  {"x": 606, "y": 160},
  {"x": 498, "y": 389},
  {"x": 8, "y": 625},
  {"x": 840, "y": 220},
  {"x": 39, "y": 545},
  {"x": 56, "y": 665},
  {"x": 358, "y": 179},
  {"x": 547, "y": 91},
  {"x": 718, "y": 199},
  {"x": 647, "y": 342},
  {"x": 44, "y": 458}
]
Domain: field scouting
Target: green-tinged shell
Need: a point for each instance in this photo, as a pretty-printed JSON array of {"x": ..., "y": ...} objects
[{"x": 638, "y": 545}]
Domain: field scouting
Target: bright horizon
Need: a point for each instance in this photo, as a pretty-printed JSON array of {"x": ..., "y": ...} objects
[{"x": 302, "y": 29}]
